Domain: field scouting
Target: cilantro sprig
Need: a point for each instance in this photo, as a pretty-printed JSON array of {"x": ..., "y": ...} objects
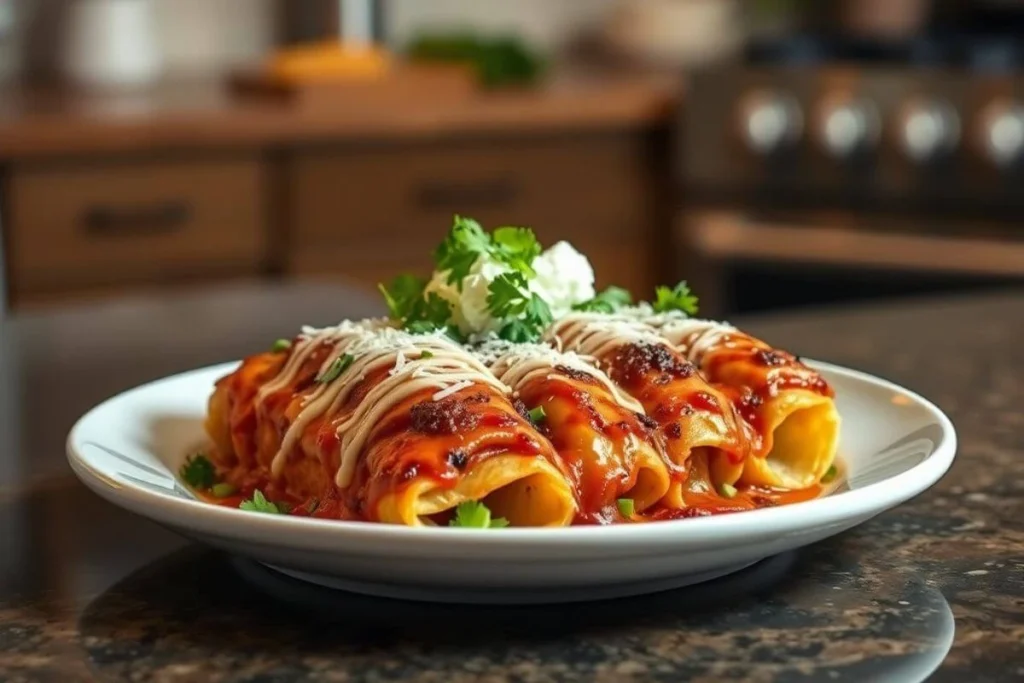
[
  {"x": 474, "y": 514},
  {"x": 418, "y": 312},
  {"x": 198, "y": 472},
  {"x": 464, "y": 244},
  {"x": 678, "y": 298},
  {"x": 526, "y": 314},
  {"x": 610, "y": 300},
  {"x": 259, "y": 503},
  {"x": 467, "y": 241}
]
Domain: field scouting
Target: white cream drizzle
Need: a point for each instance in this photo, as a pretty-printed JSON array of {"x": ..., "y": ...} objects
[
  {"x": 517, "y": 364},
  {"x": 597, "y": 334},
  {"x": 372, "y": 348}
]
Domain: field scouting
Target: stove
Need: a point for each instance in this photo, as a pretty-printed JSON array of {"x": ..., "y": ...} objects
[{"x": 838, "y": 154}]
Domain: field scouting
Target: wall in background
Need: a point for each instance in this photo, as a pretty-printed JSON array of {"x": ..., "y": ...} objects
[
  {"x": 546, "y": 23},
  {"x": 212, "y": 35}
]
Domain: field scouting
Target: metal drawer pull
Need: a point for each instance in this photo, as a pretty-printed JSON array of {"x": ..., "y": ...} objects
[{"x": 152, "y": 219}]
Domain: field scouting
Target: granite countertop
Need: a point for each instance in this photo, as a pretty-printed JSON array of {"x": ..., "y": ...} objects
[{"x": 88, "y": 592}]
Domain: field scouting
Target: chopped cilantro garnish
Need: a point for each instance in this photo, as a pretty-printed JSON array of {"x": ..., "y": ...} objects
[
  {"x": 537, "y": 415},
  {"x": 509, "y": 298},
  {"x": 281, "y": 345},
  {"x": 516, "y": 248},
  {"x": 259, "y": 503},
  {"x": 339, "y": 366},
  {"x": 678, "y": 298},
  {"x": 198, "y": 472},
  {"x": 465, "y": 243},
  {"x": 223, "y": 490},
  {"x": 418, "y": 313},
  {"x": 426, "y": 354},
  {"x": 626, "y": 507},
  {"x": 476, "y": 515},
  {"x": 829, "y": 475},
  {"x": 728, "y": 491},
  {"x": 610, "y": 300},
  {"x": 402, "y": 295}
]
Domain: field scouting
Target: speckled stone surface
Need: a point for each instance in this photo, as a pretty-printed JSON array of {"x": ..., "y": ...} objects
[{"x": 932, "y": 590}]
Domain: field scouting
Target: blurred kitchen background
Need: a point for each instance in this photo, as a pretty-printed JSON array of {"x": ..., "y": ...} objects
[{"x": 776, "y": 153}]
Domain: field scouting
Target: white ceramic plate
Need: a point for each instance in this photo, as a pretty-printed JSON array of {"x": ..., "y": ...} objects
[{"x": 895, "y": 444}]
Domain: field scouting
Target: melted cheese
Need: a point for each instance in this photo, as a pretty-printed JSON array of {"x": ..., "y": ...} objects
[
  {"x": 517, "y": 364},
  {"x": 447, "y": 368},
  {"x": 597, "y": 334}
]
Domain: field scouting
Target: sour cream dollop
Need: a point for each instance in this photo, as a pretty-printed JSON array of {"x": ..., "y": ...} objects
[{"x": 564, "y": 277}]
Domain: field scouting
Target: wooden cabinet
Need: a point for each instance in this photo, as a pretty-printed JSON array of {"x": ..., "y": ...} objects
[
  {"x": 371, "y": 212},
  {"x": 133, "y": 221}
]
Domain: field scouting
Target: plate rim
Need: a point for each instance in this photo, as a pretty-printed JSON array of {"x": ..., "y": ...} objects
[{"x": 707, "y": 532}]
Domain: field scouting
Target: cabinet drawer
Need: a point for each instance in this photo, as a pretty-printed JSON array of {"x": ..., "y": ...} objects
[
  {"x": 133, "y": 222},
  {"x": 364, "y": 212}
]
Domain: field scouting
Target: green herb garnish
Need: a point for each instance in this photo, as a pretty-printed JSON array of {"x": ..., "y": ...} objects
[
  {"x": 728, "y": 491},
  {"x": 259, "y": 503},
  {"x": 223, "y": 490},
  {"x": 198, "y": 472},
  {"x": 509, "y": 298},
  {"x": 678, "y": 298},
  {"x": 626, "y": 507},
  {"x": 339, "y": 366},
  {"x": 426, "y": 354},
  {"x": 476, "y": 515},
  {"x": 281, "y": 345},
  {"x": 313, "y": 505},
  {"x": 829, "y": 475},
  {"x": 418, "y": 313},
  {"x": 465, "y": 243},
  {"x": 516, "y": 248},
  {"x": 610, "y": 300},
  {"x": 537, "y": 415}
]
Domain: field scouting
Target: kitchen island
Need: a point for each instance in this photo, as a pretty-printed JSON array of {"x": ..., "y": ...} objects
[{"x": 89, "y": 592}]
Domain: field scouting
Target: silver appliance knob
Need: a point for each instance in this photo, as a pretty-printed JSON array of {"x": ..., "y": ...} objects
[
  {"x": 1003, "y": 135},
  {"x": 848, "y": 127},
  {"x": 770, "y": 122},
  {"x": 929, "y": 130}
]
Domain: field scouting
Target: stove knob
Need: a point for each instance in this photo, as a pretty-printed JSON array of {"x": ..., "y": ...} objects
[
  {"x": 849, "y": 127},
  {"x": 1003, "y": 136},
  {"x": 770, "y": 122},
  {"x": 929, "y": 130}
]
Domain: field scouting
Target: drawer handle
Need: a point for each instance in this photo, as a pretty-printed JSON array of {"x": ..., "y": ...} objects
[
  {"x": 154, "y": 219},
  {"x": 463, "y": 196}
]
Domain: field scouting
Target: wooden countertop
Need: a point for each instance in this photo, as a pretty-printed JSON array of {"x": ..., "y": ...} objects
[{"x": 37, "y": 123}]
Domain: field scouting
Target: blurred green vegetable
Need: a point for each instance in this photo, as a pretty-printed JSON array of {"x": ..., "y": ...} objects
[{"x": 497, "y": 61}]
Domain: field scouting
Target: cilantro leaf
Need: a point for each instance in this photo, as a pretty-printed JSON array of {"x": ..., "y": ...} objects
[
  {"x": 259, "y": 503},
  {"x": 198, "y": 472},
  {"x": 678, "y": 298},
  {"x": 516, "y": 248},
  {"x": 335, "y": 369},
  {"x": 476, "y": 515},
  {"x": 526, "y": 315},
  {"x": 402, "y": 295},
  {"x": 464, "y": 244},
  {"x": 507, "y": 295},
  {"x": 610, "y": 300},
  {"x": 626, "y": 507}
]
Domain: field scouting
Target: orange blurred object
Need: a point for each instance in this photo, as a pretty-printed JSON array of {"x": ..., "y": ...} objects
[{"x": 328, "y": 62}]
